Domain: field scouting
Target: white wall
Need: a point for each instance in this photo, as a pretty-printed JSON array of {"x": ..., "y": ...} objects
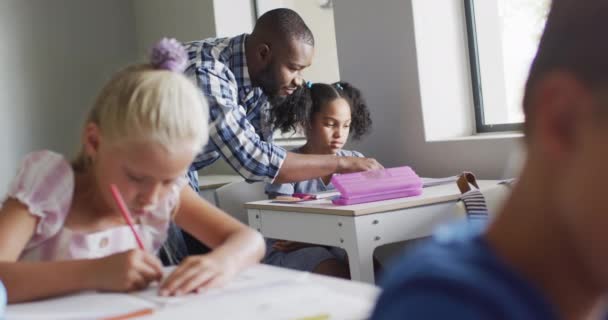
[
  {"x": 233, "y": 17},
  {"x": 378, "y": 53},
  {"x": 321, "y": 22},
  {"x": 185, "y": 20},
  {"x": 55, "y": 56}
]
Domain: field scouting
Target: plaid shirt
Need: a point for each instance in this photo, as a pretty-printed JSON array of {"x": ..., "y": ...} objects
[{"x": 239, "y": 113}]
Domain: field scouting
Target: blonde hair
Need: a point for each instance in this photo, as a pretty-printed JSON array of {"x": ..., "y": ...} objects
[{"x": 142, "y": 103}]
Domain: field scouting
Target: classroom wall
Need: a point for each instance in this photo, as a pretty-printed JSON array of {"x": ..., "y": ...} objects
[
  {"x": 55, "y": 56},
  {"x": 321, "y": 23},
  {"x": 378, "y": 53},
  {"x": 233, "y": 17},
  {"x": 185, "y": 20}
]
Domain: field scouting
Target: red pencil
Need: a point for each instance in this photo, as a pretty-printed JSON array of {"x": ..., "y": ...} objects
[
  {"x": 125, "y": 213},
  {"x": 134, "y": 314}
]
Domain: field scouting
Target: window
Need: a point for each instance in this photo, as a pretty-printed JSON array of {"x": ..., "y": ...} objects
[{"x": 503, "y": 36}]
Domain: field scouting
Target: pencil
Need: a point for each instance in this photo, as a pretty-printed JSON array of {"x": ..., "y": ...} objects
[
  {"x": 133, "y": 314},
  {"x": 125, "y": 213},
  {"x": 323, "y": 316}
]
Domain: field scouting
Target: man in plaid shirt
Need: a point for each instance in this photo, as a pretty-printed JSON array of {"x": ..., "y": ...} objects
[{"x": 240, "y": 77}]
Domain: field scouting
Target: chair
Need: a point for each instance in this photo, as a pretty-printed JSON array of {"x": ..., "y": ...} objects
[{"x": 233, "y": 196}]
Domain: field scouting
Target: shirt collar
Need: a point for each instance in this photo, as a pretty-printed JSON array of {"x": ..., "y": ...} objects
[{"x": 238, "y": 62}]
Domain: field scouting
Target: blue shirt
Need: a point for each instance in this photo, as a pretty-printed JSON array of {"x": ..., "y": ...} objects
[
  {"x": 239, "y": 112},
  {"x": 458, "y": 276},
  {"x": 307, "y": 186}
]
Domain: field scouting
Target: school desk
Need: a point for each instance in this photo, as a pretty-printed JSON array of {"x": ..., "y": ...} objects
[
  {"x": 360, "y": 228},
  {"x": 260, "y": 292},
  {"x": 208, "y": 183}
]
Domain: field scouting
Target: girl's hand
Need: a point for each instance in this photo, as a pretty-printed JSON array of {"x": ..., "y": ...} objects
[
  {"x": 288, "y": 246},
  {"x": 196, "y": 273},
  {"x": 126, "y": 271}
]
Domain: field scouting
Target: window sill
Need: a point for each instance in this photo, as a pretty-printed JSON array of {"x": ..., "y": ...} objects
[{"x": 484, "y": 136}]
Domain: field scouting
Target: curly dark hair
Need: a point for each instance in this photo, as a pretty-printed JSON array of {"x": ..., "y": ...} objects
[{"x": 297, "y": 110}]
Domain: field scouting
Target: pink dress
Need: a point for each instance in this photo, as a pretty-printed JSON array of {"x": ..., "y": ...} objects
[{"x": 45, "y": 184}]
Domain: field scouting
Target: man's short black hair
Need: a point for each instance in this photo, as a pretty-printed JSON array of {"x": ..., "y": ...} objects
[{"x": 286, "y": 24}]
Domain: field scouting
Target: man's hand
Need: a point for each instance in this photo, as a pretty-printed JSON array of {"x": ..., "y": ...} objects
[
  {"x": 356, "y": 164},
  {"x": 299, "y": 167}
]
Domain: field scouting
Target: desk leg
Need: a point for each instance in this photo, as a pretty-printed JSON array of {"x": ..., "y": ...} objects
[{"x": 356, "y": 239}]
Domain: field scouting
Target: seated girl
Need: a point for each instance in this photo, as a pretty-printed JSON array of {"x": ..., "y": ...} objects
[{"x": 327, "y": 114}]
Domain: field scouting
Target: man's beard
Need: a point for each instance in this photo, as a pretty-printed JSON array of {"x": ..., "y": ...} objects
[
  {"x": 268, "y": 82},
  {"x": 276, "y": 99}
]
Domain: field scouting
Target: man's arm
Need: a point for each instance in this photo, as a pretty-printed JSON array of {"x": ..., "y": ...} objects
[
  {"x": 250, "y": 156},
  {"x": 299, "y": 167}
]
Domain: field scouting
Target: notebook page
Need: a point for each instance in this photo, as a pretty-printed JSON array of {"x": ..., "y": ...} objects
[
  {"x": 85, "y": 305},
  {"x": 252, "y": 279},
  {"x": 300, "y": 300}
]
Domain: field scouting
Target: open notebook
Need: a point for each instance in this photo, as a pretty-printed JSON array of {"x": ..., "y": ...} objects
[
  {"x": 95, "y": 305},
  {"x": 256, "y": 291}
]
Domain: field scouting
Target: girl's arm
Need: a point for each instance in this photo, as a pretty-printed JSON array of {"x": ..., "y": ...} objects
[
  {"x": 27, "y": 281},
  {"x": 235, "y": 246}
]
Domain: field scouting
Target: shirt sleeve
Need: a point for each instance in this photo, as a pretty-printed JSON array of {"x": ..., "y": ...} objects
[
  {"x": 357, "y": 154},
  {"x": 417, "y": 287},
  {"x": 44, "y": 184},
  {"x": 232, "y": 133},
  {"x": 425, "y": 303}
]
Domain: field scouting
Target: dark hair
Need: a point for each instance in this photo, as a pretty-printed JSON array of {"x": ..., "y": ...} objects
[
  {"x": 285, "y": 23},
  {"x": 571, "y": 42},
  {"x": 298, "y": 109}
]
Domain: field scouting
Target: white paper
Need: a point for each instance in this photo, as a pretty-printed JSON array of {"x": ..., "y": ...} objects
[
  {"x": 285, "y": 301},
  {"x": 430, "y": 182},
  {"x": 86, "y": 305},
  {"x": 260, "y": 292},
  {"x": 253, "y": 279}
]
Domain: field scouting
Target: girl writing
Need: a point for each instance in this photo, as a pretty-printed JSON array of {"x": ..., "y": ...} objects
[{"x": 62, "y": 232}]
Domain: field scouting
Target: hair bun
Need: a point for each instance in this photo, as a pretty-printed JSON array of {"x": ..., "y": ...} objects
[{"x": 169, "y": 54}]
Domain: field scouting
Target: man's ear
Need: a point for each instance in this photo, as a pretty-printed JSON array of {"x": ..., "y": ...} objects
[
  {"x": 561, "y": 105},
  {"x": 264, "y": 53},
  {"x": 91, "y": 139}
]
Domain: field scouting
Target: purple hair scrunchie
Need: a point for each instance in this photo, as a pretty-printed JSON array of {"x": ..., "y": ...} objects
[{"x": 169, "y": 54}]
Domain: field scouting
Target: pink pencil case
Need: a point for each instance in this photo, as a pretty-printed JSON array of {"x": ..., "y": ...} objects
[{"x": 369, "y": 186}]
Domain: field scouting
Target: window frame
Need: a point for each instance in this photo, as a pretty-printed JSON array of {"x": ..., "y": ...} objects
[{"x": 477, "y": 90}]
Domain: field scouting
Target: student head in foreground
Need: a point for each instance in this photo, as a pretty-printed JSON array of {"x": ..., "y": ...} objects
[
  {"x": 545, "y": 255},
  {"x": 60, "y": 228}
]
